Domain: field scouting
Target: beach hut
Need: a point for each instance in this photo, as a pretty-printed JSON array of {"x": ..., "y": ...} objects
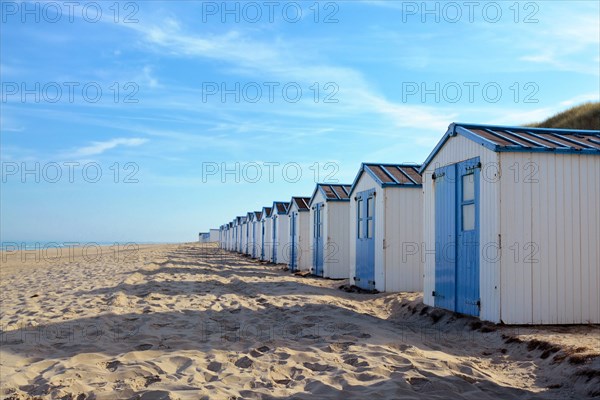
[
  {"x": 221, "y": 235},
  {"x": 279, "y": 232},
  {"x": 248, "y": 226},
  {"x": 299, "y": 236},
  {"x": 238, "y": 233},
  {"x": 214, "y": 235},
  {"x": 223, "y": 239},
  {"x": 386, "y": 228},
  {"x": 329, "y": 230},
  {"x": 255, "y": 235},
  {"x": 265, "y": 234},
  {"x": 204, "y": 237},
  {"x": 230, "y": 236},
  {"x": 512, "y": 217}
]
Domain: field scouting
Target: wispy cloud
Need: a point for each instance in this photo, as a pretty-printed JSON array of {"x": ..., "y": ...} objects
[
  {"x": 7, "y": 124},
  {"x": 274, "y": 59},
  {"x": 563, "y": 41},
  {"x": 97, "y": 148}
]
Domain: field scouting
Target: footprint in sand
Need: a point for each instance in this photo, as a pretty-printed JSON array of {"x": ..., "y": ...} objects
[
  {"x": 296, "y": 374},
  {"x": 355, "y": 362},
  {"x": 318, "y": 367},
  {"x": 214, "y": 366},
  {"x": 112, "y": 365},
  {"x": 244, "y": 362},
  {"x": 259, "y": 352}
]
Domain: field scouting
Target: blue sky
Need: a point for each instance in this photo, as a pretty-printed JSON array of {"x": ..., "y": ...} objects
[{"x": 390, "y": 77}]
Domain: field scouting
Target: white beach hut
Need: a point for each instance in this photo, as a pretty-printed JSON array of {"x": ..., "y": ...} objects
[
  {"x": 248, "y": 226},
  {"x": 512, "y": 216},
  {"x": 265, "y": 234},
  {"x": 279, "y": 232},
  {"x": 221, "y": 236},
  {"x": 246, "y": 234},
  {"x": 231, "y": 236},
  {"x": 329, "y": 231},
  {"x": 214, "y": 235},
  {"x": 386, "y": 228},
  {"x": 239, "y": 234},
  {"x": 299, "y": 236},
  {"x": 255, "y": 235}
]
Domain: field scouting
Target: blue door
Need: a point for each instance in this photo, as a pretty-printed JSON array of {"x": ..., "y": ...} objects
[
  {"x": 318, "y": 242},
  {"x": 262, "y": 240},
  {"x": 445, "y": 237},
  {"x": 365, "y": 240},
  {"x": 467, "y": 268},
  {"x": 293, "y": 244},
  {"x": 254, "y": 239},
  {"x": 457, "y": 237},
  {"x": 248, "y": 225},
  {"x": 274, "y": 239}
]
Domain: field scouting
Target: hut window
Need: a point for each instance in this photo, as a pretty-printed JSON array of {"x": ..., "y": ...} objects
[
  {"x": 468, "y": 202},
  {"x": 468, "y": 217},
  {"x": 321, "y": 221},
  {"x": 370, "y": 207},
  {"x": 360, "y": 218},
  {"x": 468, "y": 186}
]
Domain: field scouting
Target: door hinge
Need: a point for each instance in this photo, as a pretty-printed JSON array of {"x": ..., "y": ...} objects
[{"x": 500, "y": 241}]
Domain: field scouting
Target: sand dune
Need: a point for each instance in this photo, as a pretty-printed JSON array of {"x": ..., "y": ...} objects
[{"x": 190, "y": 322}]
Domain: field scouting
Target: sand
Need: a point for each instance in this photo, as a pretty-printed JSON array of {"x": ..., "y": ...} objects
[{"x": 191, "y": 322}]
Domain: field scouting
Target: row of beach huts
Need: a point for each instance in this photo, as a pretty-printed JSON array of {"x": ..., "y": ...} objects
[{"x": 502, "y": 223}]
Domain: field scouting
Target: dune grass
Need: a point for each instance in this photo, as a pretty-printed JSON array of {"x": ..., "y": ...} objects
[{"x": 583, "y": 116}]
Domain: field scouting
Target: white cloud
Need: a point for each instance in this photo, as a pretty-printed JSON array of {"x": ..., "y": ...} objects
[
  {"x": 580, "y": 99},
  {"x": 275, "y": 59},
  {"x": 100, "y": 147},
  {"x": 7, "y": 124}
]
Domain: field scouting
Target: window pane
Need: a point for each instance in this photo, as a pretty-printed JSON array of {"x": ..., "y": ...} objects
[
  {"x": 468, "y": 187},
  {"x": 468, "y": 217},
  {"x": 370, "y": 207},
  {"x": 360, "y": 228},
  {"x": 359, "y": 208},
  {"x": 369, "y": 228}
]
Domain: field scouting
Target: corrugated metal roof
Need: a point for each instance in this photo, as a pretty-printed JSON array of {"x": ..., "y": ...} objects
[
  {"x": 523, "y": 139},
  {"x": 301, "y": 203},
  {"x": 331, "y": 192},
  {"x": 266, "y": 212},
  {"x": 391, "y": 174},
  {"x": 281, "y": 206},
  {"x": 396, "y": 174}
]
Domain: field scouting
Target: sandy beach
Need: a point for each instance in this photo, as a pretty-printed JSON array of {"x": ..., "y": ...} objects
[{"x": 190, "y": 321}]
